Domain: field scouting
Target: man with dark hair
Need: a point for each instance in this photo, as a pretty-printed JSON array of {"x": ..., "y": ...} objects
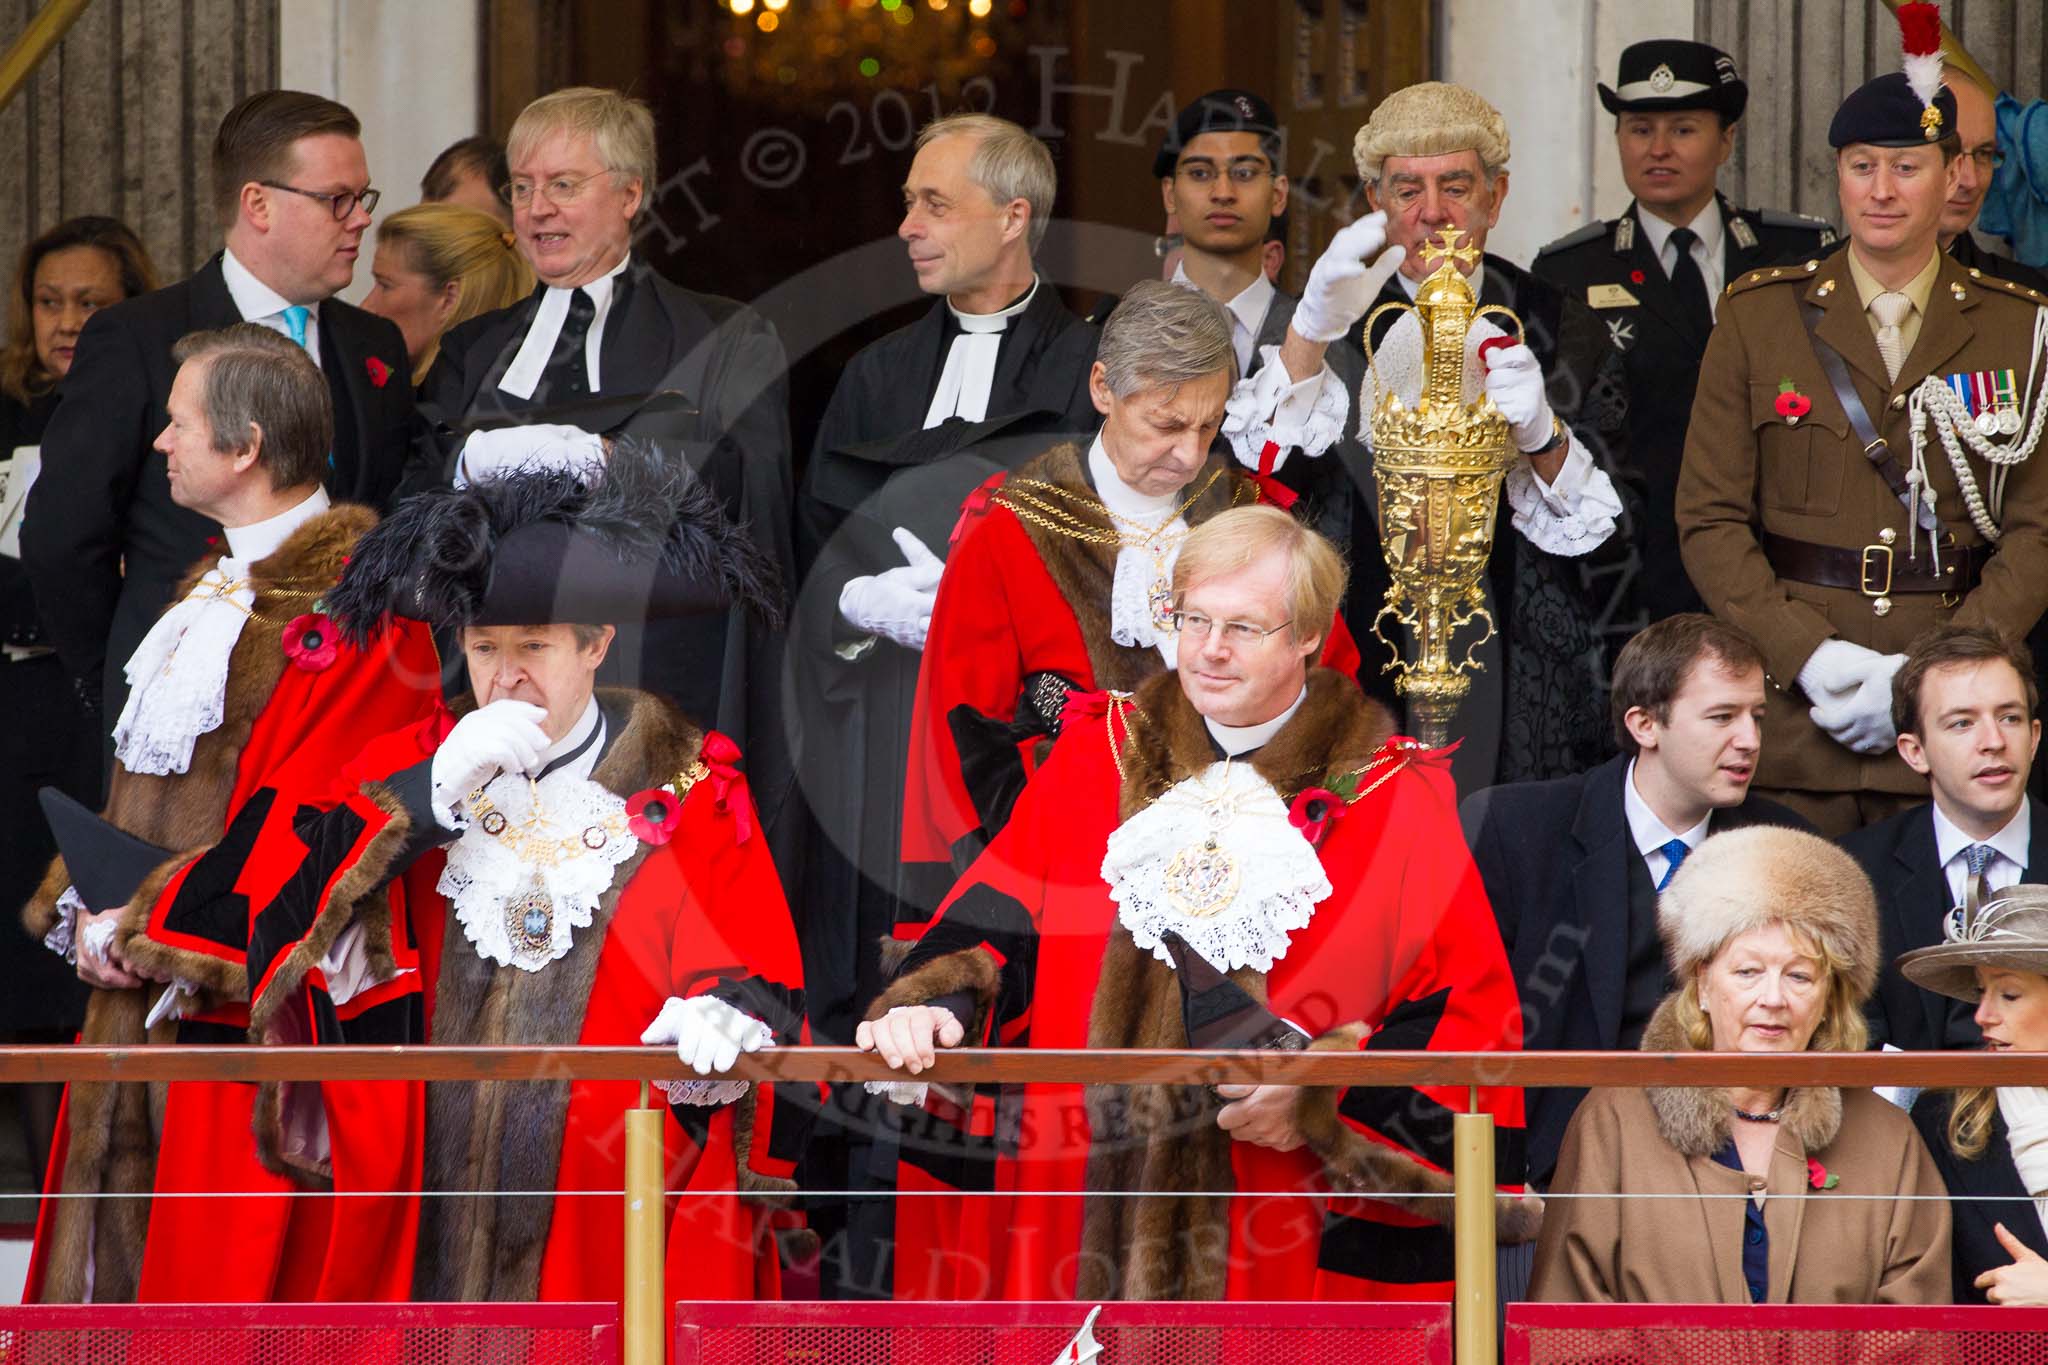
[
  {"x": 1965, "y": 705},
  {"x": 104, "y": 540},
  {"x": 1654, "y": 275},
  {"x": 243, "y": 703},
  {"x": 1857, "y": 471},
  {"x": 1573, "y": 865},
  {"x": 472, "y": 173}
]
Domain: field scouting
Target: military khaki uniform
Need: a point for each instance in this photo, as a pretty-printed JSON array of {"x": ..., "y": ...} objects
[{"x": 1753, "y": 472}]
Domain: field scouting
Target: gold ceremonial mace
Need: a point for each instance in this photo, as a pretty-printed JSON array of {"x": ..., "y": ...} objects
[{"x": 1440, "y": 466}]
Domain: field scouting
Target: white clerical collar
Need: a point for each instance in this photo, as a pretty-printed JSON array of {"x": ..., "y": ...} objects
[
  {"x": 260, "y": 539},
  {"x": 992, "y": 322},
  {"x": 1118, "y": 496},
  {"x": 1477, "y": 279},
  {"x": 583, "y": 742},
  {"x": 522, "y": 376},
  {"x": 1706, "y": 225},
  {"x": 1242, "y": 739},
  {"x": 2011, "y": 842},
  {"x": 1247, "y": 311},
  {"x": 1649, "y": 832}
]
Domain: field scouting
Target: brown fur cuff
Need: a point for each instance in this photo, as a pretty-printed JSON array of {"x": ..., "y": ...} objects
[
  {"x": 40, "y": 915},
  {"x": 970, "y": 970}
]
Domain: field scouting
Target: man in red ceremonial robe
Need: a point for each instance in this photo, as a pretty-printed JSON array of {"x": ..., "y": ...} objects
[
  {"x": 588, "y": 869},
  {"x": 1238, "y": 856},
  {"x": 241, "y": 696},
  {"x": 1059, "y": 577}
]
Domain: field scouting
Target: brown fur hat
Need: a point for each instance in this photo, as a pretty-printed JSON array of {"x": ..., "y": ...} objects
[{"x": 1748, "y": 878}]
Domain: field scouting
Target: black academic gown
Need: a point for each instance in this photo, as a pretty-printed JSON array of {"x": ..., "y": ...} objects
[
  {"x": 1561, "y": 869},
  {"x": 1557, "y": 615},
  {"x": 1985, "y": 1192},
  {"x": 103, "y": 543},
  {"x": 1899, "y": 856},
  {"x": 705, "y": 379},
  {"x": 1612, "y": 269}
]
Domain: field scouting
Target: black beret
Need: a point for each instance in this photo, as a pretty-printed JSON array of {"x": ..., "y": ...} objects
[
  {"x": 1886, "y": 113},
  {"x": 1219, "y": 111},
  {"x": 1673, "y": 73}
]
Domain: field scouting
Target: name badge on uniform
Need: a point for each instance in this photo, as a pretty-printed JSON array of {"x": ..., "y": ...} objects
[
  {"x": 1610, "y": 296},
  {"x": 1991, "y": 397}
]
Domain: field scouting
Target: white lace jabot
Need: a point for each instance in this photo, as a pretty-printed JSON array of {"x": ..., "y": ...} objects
[
  {"x": 178, "y": 675},
  {"x": 1138, "y": 567},
  {"x": 1236, "y": 903}
]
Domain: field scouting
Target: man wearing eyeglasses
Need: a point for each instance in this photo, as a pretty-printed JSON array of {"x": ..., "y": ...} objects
[
  {"x": 1977, "y": 125},
  {"x": 605, "y": 345},
  {"x": 103, "y": 540}
]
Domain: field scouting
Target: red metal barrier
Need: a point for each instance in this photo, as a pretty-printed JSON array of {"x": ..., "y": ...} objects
[
  {"x": 1782, "y": 1334},
  {"x": 1037, "y": 1333},
  {"x": 296, "y": 1334}
]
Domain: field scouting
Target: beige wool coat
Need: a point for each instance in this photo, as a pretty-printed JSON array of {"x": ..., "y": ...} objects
[{"x": 1826, "y": 1245}]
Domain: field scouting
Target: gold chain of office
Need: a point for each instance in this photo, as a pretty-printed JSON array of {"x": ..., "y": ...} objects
[{"x": 1059, "y": 510}]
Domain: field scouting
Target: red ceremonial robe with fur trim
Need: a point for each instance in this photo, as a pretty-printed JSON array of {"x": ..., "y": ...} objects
[
  {"x": 1403, "y": 954},
  {"x": 1019, "y": 599},
  {"x": 285, "y": 731},
  {"x": 701, "y": 913}
]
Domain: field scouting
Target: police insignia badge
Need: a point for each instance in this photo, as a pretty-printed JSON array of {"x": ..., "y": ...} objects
[{"x": 1662, "y": 79}]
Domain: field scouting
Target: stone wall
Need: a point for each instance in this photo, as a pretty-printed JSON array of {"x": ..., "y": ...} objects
[{"x": 120, "y": 119}]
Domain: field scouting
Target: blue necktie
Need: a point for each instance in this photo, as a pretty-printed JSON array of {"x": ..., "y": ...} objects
[
  {"x": 1675, "y": 850},
  {"x": 295, "y": 322},
  {"x": 1976, "y": 858}
]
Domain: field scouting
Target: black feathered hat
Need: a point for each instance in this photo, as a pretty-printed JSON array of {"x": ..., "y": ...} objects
[{"x": 644, "y": 540}]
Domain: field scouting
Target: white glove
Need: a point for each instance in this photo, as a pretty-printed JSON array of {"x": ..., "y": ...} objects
[
  {"x": 493, "y": 454},
  {"x": 896, "y": 603},
  {"x": 709, "y": 1035},
  {"x": 1341, "y": 286},
  {"x": 502, "y": 737},
  {"x": 1514, "y": 381},
  {"x": 1835, "y": 669},
  {"x": 1863, "y": 720}
]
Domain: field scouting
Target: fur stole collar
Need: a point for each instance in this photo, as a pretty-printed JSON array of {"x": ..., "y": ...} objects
[
  {"x": 1336, "y": 731},
  {"x": 1085, "y": 572},
  {"x": 1697, "y": 1121}
]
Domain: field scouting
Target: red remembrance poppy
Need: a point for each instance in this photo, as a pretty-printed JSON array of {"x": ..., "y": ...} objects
[
  {"x": 652, "y": 815},
  {"x": 1817, "y": 1176},
  {"x": 1635, "y": 277},
  {"x": 1314, "y": 811},
  {"x": 1790, "y": 401},
  {"x": 311, "y": 642},
  {"x": 379, "y": 371}
]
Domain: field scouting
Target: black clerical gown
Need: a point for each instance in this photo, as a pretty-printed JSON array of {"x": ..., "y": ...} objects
[{"x": 705, "y": 378}]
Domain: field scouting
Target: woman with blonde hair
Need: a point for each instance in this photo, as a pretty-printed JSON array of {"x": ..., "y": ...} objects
[
  {"x": 1813, "y": 1194},
  {"x": 440, "y": 264},
  {"x": 1991, "y": 1145}
]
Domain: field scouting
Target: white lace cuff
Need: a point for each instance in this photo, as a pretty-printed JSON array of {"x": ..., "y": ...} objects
[
  {"x": 909, "y": 1093},
  {"x": 1269, "y": 406},
  {"x": 706, "y": 1093},
  {"x": 179, "y": 999},
  {"x": 1572, "y": 516},
  {"x": 59, "y": 940}
]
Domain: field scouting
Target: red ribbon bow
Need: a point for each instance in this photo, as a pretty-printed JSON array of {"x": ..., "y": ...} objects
[
  {"x": 976, "y": 504},
  {"x": 1269, "y": 486},
  {"x": 728, "y": 783},
  {"x": 1082, "y": 707}
]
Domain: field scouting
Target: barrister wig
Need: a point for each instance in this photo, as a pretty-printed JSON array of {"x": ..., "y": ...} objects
[
  {"x": 644, "y": 540},
  {"x": 1431, "y": 118},
  {"x": 1752, "y": 878}
]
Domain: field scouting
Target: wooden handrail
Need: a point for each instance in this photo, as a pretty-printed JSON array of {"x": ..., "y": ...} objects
[
  {"x": 37, "y": 40},
  {"x": 1128, "y": 1066}
]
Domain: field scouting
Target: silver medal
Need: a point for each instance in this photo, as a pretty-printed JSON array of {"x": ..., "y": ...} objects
[
  {"x": 1987, "y": 422},
  {"x": 2009, "y": 421}
]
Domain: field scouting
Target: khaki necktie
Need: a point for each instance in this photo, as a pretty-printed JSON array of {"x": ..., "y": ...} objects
[{"x": 1891, "y": 309}]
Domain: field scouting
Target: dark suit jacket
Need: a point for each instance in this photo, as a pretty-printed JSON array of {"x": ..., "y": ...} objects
[
  {"x": 1554, "y": 859},
  {"x": 103, "y": 543},
  {"x": 1965, "y": 249},
  {"x": 1990, "y": 1176},
  {"x": 1898, "y": 855}
]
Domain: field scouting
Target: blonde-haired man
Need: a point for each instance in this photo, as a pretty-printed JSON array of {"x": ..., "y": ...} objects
[
  {"x": 1241, "y": 845},
  {"x": 599, "y": 349}
]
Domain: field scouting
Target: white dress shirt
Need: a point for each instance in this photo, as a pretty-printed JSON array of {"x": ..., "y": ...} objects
[
  {"x": 1242, "y": 739},
  {"x": 2008, "y": 858},
  {"x": 522, "y": 376},
  {"x": 1650, "y": 833},
  {"x": 1711, "y": 231},
  {"x": 257, "y": 302}
]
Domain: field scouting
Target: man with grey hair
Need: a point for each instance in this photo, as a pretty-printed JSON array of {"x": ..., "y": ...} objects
[
  {"x": 606, "y": 345},
  {"x": 1060, "y": 580},
  {"x": 1434, "y": 157}
]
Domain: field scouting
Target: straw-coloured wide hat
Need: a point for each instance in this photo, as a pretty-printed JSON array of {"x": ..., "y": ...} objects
[{"x": 2009, "y": 930}]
